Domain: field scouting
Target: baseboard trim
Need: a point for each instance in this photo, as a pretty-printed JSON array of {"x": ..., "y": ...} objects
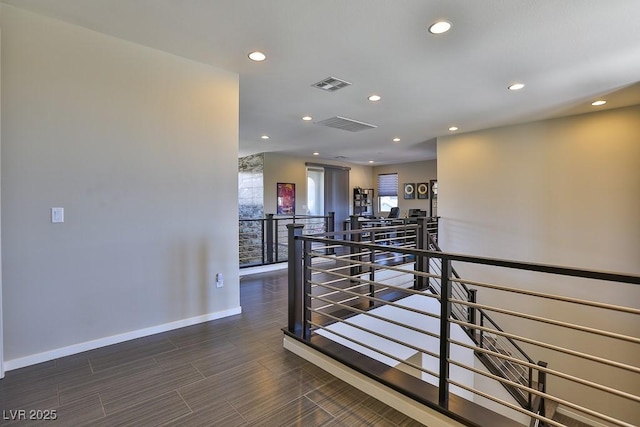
[
  {"x": 246, "y": 271},
  {"x": 579, "y": 417},
  {"x": 394, "y": 399},
  {"x": 115, "y": 339}
]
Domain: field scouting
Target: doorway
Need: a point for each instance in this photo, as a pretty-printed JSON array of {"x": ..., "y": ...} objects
[
  {"x": 315, "y": 191},
  {"x": 330, "y": 187}
]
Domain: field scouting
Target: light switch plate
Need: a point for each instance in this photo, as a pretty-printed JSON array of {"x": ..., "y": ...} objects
[{"x": 57, "y": 215}]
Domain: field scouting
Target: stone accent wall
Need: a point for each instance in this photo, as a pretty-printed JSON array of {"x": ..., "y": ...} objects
[{"x": 251, "y": 206}]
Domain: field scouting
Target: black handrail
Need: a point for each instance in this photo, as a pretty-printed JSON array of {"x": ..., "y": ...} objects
[
  {"x": 298, "y": 306},
  {"x": 518, "y": 265}
]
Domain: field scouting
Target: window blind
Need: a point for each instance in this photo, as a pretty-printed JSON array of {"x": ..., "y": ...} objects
[{"x": 388, "y": 184}]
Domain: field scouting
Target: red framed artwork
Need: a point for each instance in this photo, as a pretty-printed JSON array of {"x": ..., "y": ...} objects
[{"x": 286, "y": 198}]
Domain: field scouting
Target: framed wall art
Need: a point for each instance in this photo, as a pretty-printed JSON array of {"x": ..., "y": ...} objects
[
  {"x": 410, "y": 191},
  {"x": 423, "y": 190},
  {"x": 286, "y": 198}
]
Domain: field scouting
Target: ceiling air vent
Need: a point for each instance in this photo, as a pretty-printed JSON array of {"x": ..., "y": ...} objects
[
  {"x": 346, "y": 124},
  {"x": 331, "y": 84}
]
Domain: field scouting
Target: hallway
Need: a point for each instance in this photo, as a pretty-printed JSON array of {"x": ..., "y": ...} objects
[{"x": 227, "y": 372}]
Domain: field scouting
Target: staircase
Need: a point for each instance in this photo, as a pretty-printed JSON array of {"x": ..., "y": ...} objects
[
  {"x": 329, "y": 299},
  {"x": 502, "y": 356}
]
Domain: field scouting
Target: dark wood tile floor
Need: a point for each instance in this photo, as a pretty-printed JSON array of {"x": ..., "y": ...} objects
[{"x": 228, "y": 372}]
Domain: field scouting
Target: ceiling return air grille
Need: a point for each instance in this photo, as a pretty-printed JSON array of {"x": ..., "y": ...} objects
[
  {"x": 331, "y": 84},
  {"x": 346, "y": 124}
]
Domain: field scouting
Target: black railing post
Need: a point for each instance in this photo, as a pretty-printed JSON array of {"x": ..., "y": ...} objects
[
  {"x": 263, "y": 239},
  {"x": 276, "y": 238},
  {"x": 542, "y": 386},
  {"x": 306, "y": 290},
  {"x": 354, "y": 223},
  {"x": 445, "y": 330},
  {"x": 269, "y": 238},
  {"x": 422, "y": 261},
  {"x": 295, "y": 297},
  {"x": 330, "y": 227},
  {"x": 372, "y": 272},
  {"x": 355, "y": 237},
  {"x": 471, "y": 312}
]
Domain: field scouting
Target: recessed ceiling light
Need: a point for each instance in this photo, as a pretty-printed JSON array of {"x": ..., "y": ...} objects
[
  {"x": 257, "y": 56},
  {"x": 396, "y": 139},
  {"x": 374, "y": 98},
  {"x": 440, "y": 27},
  {"x": 265, "y": 137},
  {"x": 307, "y": 118},
  {"x": 598, "y": 103},
  {"x": 453, "y": 128},
  {"x": 371, "y": 161},
  {"x": 316, "y": 154},
  {"x": 516, "y": 86}
]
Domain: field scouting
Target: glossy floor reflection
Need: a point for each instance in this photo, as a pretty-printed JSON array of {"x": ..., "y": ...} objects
[{"x": 227, "y": 372}]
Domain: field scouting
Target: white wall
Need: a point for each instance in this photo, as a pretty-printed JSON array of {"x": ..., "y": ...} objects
[
  {"x": 140, "y": 147},
  {"x": 562, "y": 192}
]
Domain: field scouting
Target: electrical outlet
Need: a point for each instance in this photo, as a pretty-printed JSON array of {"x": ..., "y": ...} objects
[{"x": 219, "y": 280}]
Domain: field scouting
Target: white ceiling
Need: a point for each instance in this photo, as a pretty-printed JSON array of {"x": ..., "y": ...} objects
[{"x": 568, "y": 53}]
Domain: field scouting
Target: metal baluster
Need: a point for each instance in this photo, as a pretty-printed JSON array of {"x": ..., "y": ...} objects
[
  {"x": 542, "y": 386},
  {"x": 269, "y": 238},
  {"x": 306, "y": 290},
  {"x": 445, "y": 330},
  {"x": 473, "y": 295},
  {"x": 295, "y": 299}
]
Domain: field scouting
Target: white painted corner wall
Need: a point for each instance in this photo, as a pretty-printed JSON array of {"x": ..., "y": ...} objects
[
  {"x": 564, "y": 192},
  {"x": 140, "y": 147}
]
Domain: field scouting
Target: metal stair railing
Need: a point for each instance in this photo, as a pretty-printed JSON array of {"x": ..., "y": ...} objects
[
  {"x": 264, "y": 241},
  {"x": 364, "y": 281},
  {"x": 497, "y": 344}
]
